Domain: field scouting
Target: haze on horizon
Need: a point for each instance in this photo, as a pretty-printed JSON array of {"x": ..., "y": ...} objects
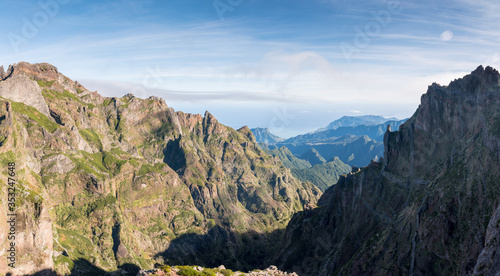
[{"x": 292, "y": 66}]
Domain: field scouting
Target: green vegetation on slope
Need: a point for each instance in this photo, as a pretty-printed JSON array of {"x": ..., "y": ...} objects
[
  {"x": 92, "y": 138},
  {"x": 287, "y": 157},
  {"x": 323, "y": 175},
  {"x": 35, "y": 115}
]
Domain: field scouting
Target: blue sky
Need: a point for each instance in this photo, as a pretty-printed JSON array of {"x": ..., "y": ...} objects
[{"x": 289, "y": 65}]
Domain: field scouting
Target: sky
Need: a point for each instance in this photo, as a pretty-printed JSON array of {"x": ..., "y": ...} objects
[{"x": 288, "y": 65}]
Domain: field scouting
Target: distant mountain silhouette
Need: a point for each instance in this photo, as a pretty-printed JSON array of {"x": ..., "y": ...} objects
[
  {"x": 353, "y": 121},
  {"x": 263, "y": 135}
]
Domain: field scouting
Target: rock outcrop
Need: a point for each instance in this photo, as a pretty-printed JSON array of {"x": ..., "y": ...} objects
[
  {"x": 220, "y": 271},
  {"x": 16, "y": 85},
  {"x": 428, "y": 208}
]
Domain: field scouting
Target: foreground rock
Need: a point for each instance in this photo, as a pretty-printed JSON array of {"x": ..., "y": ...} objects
[{"x": 220, "y": 271}]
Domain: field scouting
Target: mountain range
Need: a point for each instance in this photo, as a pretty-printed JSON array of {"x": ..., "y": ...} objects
[
  {"x": 114, "y": 184},
  {"x": 354, "y": 121},
  {"x": 110, "y": 186},
  {"x": 354, "y": 140}
]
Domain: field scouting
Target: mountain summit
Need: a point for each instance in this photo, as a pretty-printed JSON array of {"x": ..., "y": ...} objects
[{"x": 429, "y": 207}]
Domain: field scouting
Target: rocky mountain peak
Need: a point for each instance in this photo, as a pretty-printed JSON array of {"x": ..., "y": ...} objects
[
  {"x": 211, "y": 125},
  {"x": 446, "y": 115},
  {"x": 19, "y": 84},
  {"x": 477, "y": 80},
  {"x": 245, "y": 130},
  {"x": 486, "y": 72},
  {"x": 3, "y": 74},
  {"x": 36, "y": 71}
]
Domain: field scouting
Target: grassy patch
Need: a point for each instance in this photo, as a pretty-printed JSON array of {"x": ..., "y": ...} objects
[
  {"x": 63, "y": 261},
  {"x": 119, "y": 152},
  {"x": 35, "y": 115},
  {"x": 91, "y": 137},
  {"x": 107, "y": 101},
  {"x": 76, "y": 245},
  {"x": 196, "y": 181},
  {"x": 36, "y": 176},
  {"x": 126, "y": 102},
  {"x": 67, "y": 214},
  {"x": 146, "y": 168},
  {"x": 83, "y": 165},
  {"x": 134, "y": 162},
  {"x": 52, "y": 94},
  {"x": 112, "y": 163},
  {"x": 25, "y": 194},
  {"x": 189, "y": 271},
  {"x": 43, "y": 83},
  {"x": 6, "y": 158}
]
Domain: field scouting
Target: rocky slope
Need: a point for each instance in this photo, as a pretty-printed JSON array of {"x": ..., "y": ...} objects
[
  {"x": 430, "y": 207},
  {"x": 127, "y": 182}
]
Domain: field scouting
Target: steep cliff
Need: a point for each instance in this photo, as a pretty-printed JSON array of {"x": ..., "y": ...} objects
[
  {"x": 427, "y": 207},
  {"x": 127, "y": 182}
]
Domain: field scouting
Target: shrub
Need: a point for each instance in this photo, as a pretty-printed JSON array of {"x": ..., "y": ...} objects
[{"x": 187, "y": 271}]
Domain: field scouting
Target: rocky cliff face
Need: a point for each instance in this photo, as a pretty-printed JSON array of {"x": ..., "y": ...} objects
[
  {"x": 127, "y": 182},
  {"x": 428, "y": 208}
]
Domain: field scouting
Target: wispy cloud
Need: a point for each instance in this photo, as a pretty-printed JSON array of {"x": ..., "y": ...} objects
[{"x": 276, "y": 52}]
